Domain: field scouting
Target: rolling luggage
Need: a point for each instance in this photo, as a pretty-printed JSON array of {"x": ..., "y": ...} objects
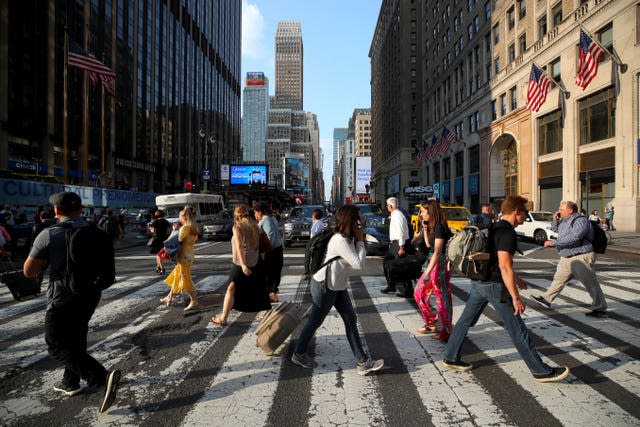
[
  {"x": 19, "y": 285},
  {"x": 277, "y": 325}
]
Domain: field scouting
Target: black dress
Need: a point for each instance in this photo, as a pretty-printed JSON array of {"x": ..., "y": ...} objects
[{"x": 251, "y": 293}]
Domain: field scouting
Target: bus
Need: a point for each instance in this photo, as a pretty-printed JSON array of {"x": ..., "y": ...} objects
[{"x": 205, "y": 205}]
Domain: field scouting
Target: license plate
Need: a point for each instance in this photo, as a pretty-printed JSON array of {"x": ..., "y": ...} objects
[{"x": 304, "y": 233}]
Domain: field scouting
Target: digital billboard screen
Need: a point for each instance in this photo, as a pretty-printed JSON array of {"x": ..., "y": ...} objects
[
  {"x": 248, "y": 174},
  {"x": 363, "y": 175}
]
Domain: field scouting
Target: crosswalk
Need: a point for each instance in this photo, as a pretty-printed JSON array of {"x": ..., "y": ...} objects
[{"x": 179, "y": 369}]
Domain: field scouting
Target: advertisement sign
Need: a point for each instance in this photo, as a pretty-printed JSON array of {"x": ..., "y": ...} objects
[
  {"x": 294, "y": 173},
  {"x": 393, "y": 184},
  {"x": 436, "y": 190},
  {"x": 224, "y": 172},
  {"x": 249, "y": 174},
  {"x": 255, "y": 78},
  {"x": 363, "y": 175}
]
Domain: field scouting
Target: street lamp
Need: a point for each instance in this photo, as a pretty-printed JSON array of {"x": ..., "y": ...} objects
[{"x": 211, "y": 140}]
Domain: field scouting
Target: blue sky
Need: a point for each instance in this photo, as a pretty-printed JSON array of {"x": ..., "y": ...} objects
[{"x": 336, "y": 36}]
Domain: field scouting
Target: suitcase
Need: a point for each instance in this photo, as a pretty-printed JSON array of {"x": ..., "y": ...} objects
[
  {"x": 19, "y": 285},
  {"x": 277, "y": 325}
]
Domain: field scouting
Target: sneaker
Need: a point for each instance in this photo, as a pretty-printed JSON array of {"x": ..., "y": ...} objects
[
  {"x": 113, "y": 380},
  {"x": 67, "y": 390},
  {"x": 457, "y": 366},
  {"x": 597, "y": 313},
  {"x": 541, "y": 301},
  {"x": 556, "y": 374},
  {"x": 370, "y": 366},
  {"x": 388, "y": 290},
  {"x": 302, "y": 360}
]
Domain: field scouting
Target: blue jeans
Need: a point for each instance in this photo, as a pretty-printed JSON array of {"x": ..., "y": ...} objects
[
  {"x": 489, "y": 292},
  {"x": 323, "y": 300}
]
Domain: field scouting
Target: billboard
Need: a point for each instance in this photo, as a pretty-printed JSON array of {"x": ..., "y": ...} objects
[
  {"x": 248, "y": 174},
  {"x": 255, "y": 78},
  {"x": 363, "y": 175},
  {"x": 294, "y": 173}
]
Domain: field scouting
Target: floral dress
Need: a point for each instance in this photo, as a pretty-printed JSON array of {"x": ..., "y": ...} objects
[{"x": 180, "y": 278}]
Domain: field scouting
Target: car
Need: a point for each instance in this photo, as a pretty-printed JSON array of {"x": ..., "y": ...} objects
[
  {"x": 370, "y": 208},
  {"x": 220, "y": 226},
  {"x": 457, "y": 217},
  {"x": 297, "y": 227},
  {"x": 376, "y": 233},
  {"x": 537, "y": 226}
]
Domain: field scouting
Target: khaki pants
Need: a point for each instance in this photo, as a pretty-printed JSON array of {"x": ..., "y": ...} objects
[{"x": 582, "y": 268}]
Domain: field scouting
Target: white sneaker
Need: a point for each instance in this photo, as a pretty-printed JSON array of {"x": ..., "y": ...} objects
[{"x": 370, "y": 366}]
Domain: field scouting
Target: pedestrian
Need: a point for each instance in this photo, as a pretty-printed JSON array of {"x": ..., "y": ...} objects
[
  {"x": 501, "y": 290},
  {"x": 246, "y": 289},
  {"x": 92, "y": 217},
  {"x": 180, "y": 280},
  {"x": 160, "y": 229},
  {"x": 274, "y": 259},
  {"x": 594, "y": 217},
  {"x": 608, "y": 218},
  {"x": 329, "y": 289},
  {"x": 7, "y": 215},
  {"x": 436, "y": 277},
  {"x": 67, "y": 317},
  {"x": 5, "y": 239},
  {"x": 399, "y": 246},
  {"x": 577, "y": 258},
  {"x": 316, "y": 222}
]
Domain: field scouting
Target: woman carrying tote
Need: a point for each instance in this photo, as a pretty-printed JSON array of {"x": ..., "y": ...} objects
[{"x": 329, "y": 289}]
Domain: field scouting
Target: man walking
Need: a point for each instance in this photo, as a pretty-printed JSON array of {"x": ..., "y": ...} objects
[
  {"x": 577, "y": 258},
  {"x": 501, "y": 290},
  {"x": 399, "y": 237},
  {"x": 68, "y": 313}
]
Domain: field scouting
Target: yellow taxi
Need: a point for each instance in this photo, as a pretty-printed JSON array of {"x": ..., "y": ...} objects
[{"x": 457, "y": 217}]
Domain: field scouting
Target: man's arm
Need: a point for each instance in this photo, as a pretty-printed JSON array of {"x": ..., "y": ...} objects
[
  {"x": 33, "y": 266},
  {"x": 511, "y": 280}
]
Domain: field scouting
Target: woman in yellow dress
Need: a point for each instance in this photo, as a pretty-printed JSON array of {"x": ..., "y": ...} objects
[{"x": 179, "y": 280}]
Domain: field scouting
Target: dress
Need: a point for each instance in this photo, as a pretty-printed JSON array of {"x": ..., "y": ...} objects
[
  {"x": 251, "y": 294},
  {"x": 179, "y": 280}
]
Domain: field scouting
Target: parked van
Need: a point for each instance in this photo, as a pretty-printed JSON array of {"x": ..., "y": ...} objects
[{"x": 205, "y": 205}]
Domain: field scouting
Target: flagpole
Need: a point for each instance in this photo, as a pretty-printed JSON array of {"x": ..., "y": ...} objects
[
  {"x": 560, "y": 87},
  {"x": 65, "y": 127},
  {"x": 614, "y": 56}
]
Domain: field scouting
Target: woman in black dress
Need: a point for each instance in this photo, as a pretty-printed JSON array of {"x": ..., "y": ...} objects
[{"x": 160, "y": 228}]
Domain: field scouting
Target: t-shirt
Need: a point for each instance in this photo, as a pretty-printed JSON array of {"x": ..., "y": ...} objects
[
  {"x": 441, "y": 232},
  {"x": 502, "y": 237},
  {"x": 161, "y": 227}
]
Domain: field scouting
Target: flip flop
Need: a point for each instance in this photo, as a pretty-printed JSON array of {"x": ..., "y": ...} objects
[{"x": 216, "y": 321}]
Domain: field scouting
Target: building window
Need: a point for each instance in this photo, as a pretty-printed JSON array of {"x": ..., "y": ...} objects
[
  {"x": 487, "y": 43},
  {"x": 459, "y": 157},
  {"x": 555, "y": 69},
  {"x": 497, "y": 64},
  {"x": 474, "y": 159},
  {"x": 503, "y": 104},
  {"x": 542, "y": 26},
  {"x": 597, "y": 117},
  {"x": 605, "y": 37},
  {"x": 470, "y": 31},
  {"x": 512, "y": 52},
  {"x": 522, "y": 9},
  {"x": 514, "y": 98},
  {"x": 472, "y": 127},
  {"x": 489, "y": 72},
  {"x": 494, "y": 110},
  {"x": 496, "y": 34},
  {"x": 556, "y": 12},
  {"x": 522, "y": 43},
  {"x": 511, "y": 18},
  {"x": 487, "y": 11},
  {"x": 550, "y": 133},
  {"x": 476, "y": 23}
]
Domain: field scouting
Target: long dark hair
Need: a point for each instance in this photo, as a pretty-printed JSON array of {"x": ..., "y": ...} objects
[
  {"x": 436, "y": 215},
  {"x": 347, "y": 219}
]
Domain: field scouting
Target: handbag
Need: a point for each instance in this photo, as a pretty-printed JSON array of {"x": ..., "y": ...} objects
[
  {"x": 172, "y": 245},
  {"x": 163, "y": 254}
]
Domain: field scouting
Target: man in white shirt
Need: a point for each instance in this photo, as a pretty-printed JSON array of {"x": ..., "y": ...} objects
[{"x": 399, "y": 237}]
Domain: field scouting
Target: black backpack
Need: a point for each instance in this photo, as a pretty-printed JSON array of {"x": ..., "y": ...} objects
[
  {"x": 317, "y": 250},
  {"x": 90, "y": 259},
  {"x": 599, "y": 241}
]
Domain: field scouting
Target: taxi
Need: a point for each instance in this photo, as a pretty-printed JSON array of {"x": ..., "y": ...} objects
[{"x": 457, "y": 217}]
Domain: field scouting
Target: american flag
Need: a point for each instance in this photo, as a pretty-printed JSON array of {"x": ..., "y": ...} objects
[
  {"x": 432, "y": 149},
  {"x": 80, "y": 58},
  {"x": 538, "y": 87},
  {"x": 590, "y": 54},
  {"x": 447, "y": 138}
]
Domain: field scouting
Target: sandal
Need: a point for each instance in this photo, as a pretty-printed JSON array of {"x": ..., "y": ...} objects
[
  {"x": 192, "y": 307},
  {"x": 159, "y": 270},
  {"x": 217, "y": 321},
  {"x": 167, "y": 301},
  {"x": 273, "y": 297},
  {"x": 426, "y": 329}
]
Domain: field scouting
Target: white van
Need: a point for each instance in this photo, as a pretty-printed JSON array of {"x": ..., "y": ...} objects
[{"x": 206, "y": 206}]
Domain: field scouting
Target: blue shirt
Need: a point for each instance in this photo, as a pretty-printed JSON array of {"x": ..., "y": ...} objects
[
  {"x": 574, "y": 235},
  {"x": 316, "y": 227},
  {"x": 269, "y": 225}
]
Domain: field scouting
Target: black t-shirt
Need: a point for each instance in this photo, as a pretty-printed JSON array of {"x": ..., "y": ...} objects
[
  {"x": 161, "y": 227},
  {"x": 502, "y": 237},
  {"x": 441, "y": 232}
]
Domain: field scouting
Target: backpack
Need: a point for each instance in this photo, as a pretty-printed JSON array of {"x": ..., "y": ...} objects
[
  {"x": 599, "y": 241},
  {"x": 108, "y": 225},
  {"x": 90, "y": 259},
  {"x": 468, "y": 252},
  {"x": 317, "y": 250}
]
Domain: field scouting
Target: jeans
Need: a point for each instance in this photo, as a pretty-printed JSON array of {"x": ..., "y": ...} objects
[
  {"x": 323, "y": 300},
  {"x": 480, "y": 295},
  {"x": 66, "y": 329}
]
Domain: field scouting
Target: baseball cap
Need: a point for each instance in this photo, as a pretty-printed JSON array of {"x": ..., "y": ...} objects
[{"x": 66, "y": 201}]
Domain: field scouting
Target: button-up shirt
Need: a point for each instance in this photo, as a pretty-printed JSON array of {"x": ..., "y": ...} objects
[
  {"x": 398, "y": 227},
  {"x": 574, "y": 236}
]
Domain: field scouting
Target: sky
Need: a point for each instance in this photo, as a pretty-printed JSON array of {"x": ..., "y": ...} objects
[{"x": 336, "y": 37}]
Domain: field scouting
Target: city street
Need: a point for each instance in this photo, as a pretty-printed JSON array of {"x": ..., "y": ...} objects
[{"x": 179, "y": 369}]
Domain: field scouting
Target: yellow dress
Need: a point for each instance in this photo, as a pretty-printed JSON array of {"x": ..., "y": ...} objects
[{"x": 180, "y": 278}]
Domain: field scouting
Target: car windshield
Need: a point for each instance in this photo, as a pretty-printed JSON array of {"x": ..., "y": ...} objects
[
  {"x": 456, "y": 214},
  {"x": 304, "y": 212},
  {"x": 542, "y": 216},
  {"x": 369, "y": 208},
  {"x": 374, "y": 220},
  {"x": 172, "y": 211},
  {"x": 225, "y": 214}
]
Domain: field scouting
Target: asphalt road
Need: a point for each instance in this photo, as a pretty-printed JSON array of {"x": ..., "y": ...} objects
[{"x": 179, "y": 369}]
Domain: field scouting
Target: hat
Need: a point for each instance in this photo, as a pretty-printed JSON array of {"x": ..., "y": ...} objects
[{"x": 66, "y": 201}]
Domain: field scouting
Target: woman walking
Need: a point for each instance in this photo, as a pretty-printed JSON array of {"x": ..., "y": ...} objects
[
  {"x": 329, "y": 289},
  {"x": 245, "y": 286},
  {"x": 179, "y": 280},
  {"x": 274, "y": 259},
  {"x": 160, "y": 228},
  {"x": 436, "y": 276}
]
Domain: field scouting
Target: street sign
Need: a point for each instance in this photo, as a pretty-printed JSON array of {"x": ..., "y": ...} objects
[{"x": 205, "y": 174}]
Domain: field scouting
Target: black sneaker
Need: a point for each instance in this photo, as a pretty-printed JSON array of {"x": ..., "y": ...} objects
[
  {"x": 388, "y": 290},
  {"x": 541, "y": 301},
  {"x": 458, "y": 366},
  {"x": 302, "y": 360},
  {"x": 67, "y": 390},
  {"x": 556, "y": 374},
  {"x": 597, "y": 314},
  {"x": 113, "y": 379}
]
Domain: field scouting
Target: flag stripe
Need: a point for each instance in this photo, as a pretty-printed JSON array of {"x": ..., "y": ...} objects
[
  {"x": 538, "y": 88},
  {"x": 590, "y": 54}
]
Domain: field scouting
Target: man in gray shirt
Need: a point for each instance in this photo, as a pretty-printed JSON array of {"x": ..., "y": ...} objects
[{"x": 577, "y": 258}]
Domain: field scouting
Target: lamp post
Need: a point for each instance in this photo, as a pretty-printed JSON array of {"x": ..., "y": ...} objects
[{"x": 211, "y": 140}]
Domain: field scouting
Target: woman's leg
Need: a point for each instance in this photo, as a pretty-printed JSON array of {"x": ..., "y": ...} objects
[
  {"x": 227, "y": 305},
  {"x": 350, "y": 319},
  {"x": 442, "y": 288},
  {"x": 323, "y": 300},
  {"x": 421, "y": 294}
]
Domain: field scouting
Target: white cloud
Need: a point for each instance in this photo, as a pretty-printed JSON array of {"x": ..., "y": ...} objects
[{"x": 252, "y": 31}]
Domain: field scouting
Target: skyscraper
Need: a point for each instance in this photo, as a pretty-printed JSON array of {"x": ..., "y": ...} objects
[
  {"x": 289, "y": 66},
  {"x": 255, "y": 117}
]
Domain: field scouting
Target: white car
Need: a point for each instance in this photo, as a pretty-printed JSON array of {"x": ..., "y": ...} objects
[{"x": 537, "y": 226}]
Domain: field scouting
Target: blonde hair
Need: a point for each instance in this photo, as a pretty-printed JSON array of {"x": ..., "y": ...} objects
[
  {"x": 248, "y": 229},
  {"x": 189, "y": 215}
]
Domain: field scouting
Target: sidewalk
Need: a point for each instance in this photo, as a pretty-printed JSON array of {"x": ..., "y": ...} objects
[
  {"x": 626, "y": 242},
  {"x": 130, "y": 239}
]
